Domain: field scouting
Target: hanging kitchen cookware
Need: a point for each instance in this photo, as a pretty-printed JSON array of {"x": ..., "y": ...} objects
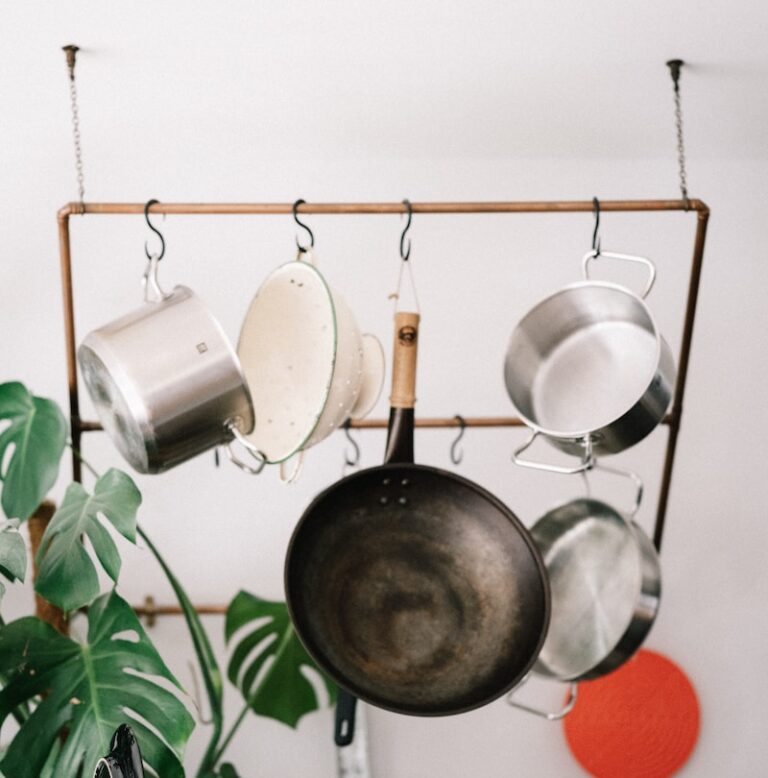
[
  {"x": 124, "y": 757},
  {"x": 307, "y": 366},
  {"x": 605, "y": 581},
  {"x": 587, "y": 368},
  {"x": 413, "y": 588},
  {"x": 164, "y": 379}
]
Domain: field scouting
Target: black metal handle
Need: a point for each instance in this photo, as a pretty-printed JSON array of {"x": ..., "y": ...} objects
[{"x": 346, "y": 705}]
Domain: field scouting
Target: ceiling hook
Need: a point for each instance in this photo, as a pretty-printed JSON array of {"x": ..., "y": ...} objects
[
  {"x": 354, "y": 459},
  {"x": 70, "y": 51},
  {"x": 456, "y": 455},
  {"x": 154, "y": 229},
  {"x": 302, "y": 249},
  {"x": 596, "y": 231},
  {"x": 406, "y": 253}
]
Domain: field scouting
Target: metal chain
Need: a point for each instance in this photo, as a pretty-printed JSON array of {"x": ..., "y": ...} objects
[
  {"x": 680, "y": 145},
  {"x": 675, "y": 66},
  {"x": 76, "y": 137}
]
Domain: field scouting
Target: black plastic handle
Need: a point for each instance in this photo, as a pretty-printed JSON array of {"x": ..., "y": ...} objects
[{"x": 346, "y": 705}]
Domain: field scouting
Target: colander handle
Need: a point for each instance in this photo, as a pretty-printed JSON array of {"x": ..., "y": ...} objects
[
  {"x": 570, "y": 702},
  {"x": 587, "y": 462},
  {"x": 595, "y": 254},
  {"x": 289, "y": 478}
]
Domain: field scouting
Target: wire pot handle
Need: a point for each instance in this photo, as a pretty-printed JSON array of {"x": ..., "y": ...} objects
[
  {"x": 587, "y": 462},
  {"x": 570, "y": 702},
  {"x": 632, "y": 512},
  {"x": 596, "y": 253}
]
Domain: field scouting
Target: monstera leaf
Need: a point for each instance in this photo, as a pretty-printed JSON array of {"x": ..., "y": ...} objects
[
  {"x": 13, "y": 553},
  {"x": 37, "y": 433},
  {"x": 67, "y": 576},
  {"x": 277, "y": 689},
  {"x": 90, "y": 689}
]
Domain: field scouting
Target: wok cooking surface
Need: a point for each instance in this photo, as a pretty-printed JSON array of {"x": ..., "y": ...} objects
[{"x": 421, "y": 586}]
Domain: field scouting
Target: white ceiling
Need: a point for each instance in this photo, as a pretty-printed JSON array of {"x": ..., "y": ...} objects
[{"x": 404, "y": 77}]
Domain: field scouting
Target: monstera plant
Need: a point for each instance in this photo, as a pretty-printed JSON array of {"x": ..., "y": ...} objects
[{"x": 68, "y": 695}]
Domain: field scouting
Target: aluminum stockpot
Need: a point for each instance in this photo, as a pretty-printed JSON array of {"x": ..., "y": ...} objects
[
  {"x": 587, "y": 367},
  {"x": 165, "y": 380},
  {"x": 307, "y": 365}
]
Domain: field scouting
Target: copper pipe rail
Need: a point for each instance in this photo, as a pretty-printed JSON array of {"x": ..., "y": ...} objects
[{"x": 78, "y": 426}]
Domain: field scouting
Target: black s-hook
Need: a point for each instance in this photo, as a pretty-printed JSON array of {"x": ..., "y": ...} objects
[
  {"x": 354, "y": 460},
  {"x": 302, "y": 249},
  {"x": 154, "y": 229},
  {"x": 456, "y": 455},
  {"x": 596, "y": 231},
  {"x": 406, "y": 253}
]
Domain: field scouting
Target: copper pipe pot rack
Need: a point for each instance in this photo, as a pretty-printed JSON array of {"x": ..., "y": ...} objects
[{"x": 78, "y": 426}]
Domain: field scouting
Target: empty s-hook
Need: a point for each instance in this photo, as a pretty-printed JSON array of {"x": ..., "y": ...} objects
[
  {"x": 406, "y": 253},
  {"x": 456, "y": 455},
  {"x": 354, "y": 459},
  {"x": 302, "y": 249},
  {"x": 154, "y": 229},
  {"x": 596, "y": 230}
]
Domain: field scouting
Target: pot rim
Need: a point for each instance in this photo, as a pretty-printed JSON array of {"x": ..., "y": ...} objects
[
  {"x": 304, "y": 264},
  {"x": 582, "y": 434},
  {"x": 647, "y": 598}
]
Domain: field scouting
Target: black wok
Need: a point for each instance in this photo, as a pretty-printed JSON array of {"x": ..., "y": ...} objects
[{"x": 413, "y": 588}]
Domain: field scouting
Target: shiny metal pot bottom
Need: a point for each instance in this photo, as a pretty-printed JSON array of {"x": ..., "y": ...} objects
[{"x": 605, "y": 582}]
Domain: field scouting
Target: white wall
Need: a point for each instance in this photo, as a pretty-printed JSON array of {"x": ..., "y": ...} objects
[{"x": 162, "y": 118}]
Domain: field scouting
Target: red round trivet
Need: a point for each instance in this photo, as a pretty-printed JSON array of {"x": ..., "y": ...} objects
[{"x": 641, "y": 721}]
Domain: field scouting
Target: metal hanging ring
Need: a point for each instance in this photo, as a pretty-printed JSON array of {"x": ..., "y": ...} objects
[
  {"x": 302, "y": 249},
  {"x": 354, "y": 460},
  {"x": 406, "y": 253},
  {"x": 596, "y": 231},
  {"x": 154, "y": 229},
  {"x": 456, "y": 455}
]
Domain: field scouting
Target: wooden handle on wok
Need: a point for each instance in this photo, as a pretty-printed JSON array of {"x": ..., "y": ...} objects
[{"x": 404, "y": 360}]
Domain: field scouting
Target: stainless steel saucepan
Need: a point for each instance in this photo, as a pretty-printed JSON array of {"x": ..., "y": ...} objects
[
  {"x": 588, "y": 369},
  {"x": 605, "y": 581}
]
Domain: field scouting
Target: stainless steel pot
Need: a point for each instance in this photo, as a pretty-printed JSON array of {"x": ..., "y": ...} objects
[
  {"x": 588, "y": 369},
  {"x": 605, "y": 582},
  {"x": 166, "y": 382}
]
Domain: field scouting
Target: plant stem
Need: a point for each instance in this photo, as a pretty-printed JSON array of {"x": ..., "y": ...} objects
[
  {"x": 84, "y": 461},
  {"x": 220, "y": 752},
  {"x": 209, "y": 668}
]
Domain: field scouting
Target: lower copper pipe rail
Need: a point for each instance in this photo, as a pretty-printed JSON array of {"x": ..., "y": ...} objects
[{"x": 490, "y": 422}]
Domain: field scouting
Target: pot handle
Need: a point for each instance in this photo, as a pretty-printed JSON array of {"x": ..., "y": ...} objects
[
  {"x": 259, "y": 456},
  {"x": 595, "y": 254},
  {"x": 570, "y": 703},
  {"x": 106, "y": 763},
  {"x": 632, "y": 512},
  {"x": 586, "y": 464},
  {"x": 344, "y": 720},
  {"x": 292, "y": 476},
  {"x": 153, "y": 292}
]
